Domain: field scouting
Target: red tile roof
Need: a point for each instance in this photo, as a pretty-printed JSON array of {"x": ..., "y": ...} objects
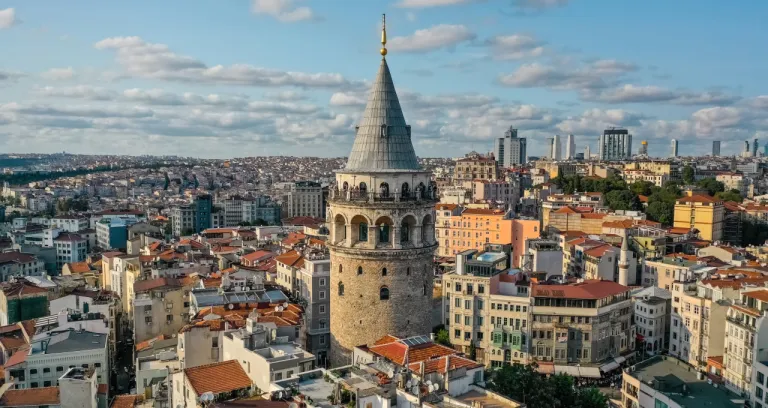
[
  {"x": 30, "y": 397},
  {"x": 589, "y": 289},
  {"x": 157, "y": 283},
  {"x": 482, "y": 211},
  {"x": 761, "y": 295},
  {"x": 697, "y": 198},
  {"x": 599, "y": 251},
  {"x": 257, "y": 256},
  {"x": 290, "y": 258},
  {"x": 79, "y": 267},
  {"x": 18, "y": 357},
  {"x": 125, "y": 401},
  {"x": 22, "y": 288},
  {"x": 444, "y": 364},
  {"x": 400, "y": 353},
  {"x": 217, "y": 377}
]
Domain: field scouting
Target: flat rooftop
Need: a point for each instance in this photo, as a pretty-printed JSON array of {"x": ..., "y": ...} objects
[
  {"x": 491, "y": 256},
  {"x": 668, "y": 376}
]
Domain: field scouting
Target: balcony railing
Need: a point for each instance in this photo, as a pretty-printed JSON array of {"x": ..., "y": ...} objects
[{"x": 369, "y": 196}]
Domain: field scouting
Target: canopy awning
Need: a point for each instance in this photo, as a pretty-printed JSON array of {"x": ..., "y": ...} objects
[
  {"x": 577, "y": 371},
  {"x": 609, "y": 366}
]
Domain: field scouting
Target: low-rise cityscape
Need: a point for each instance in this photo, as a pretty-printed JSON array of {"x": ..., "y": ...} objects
[{"x": 592, "y": 276}]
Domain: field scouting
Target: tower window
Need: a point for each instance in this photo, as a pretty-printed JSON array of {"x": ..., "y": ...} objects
[
  {"x": 384, "y": 293},
  {"x": 359, "y": 270},
  {"x": 384, "y": 272},
  {"x": 341, "y": 289},
  {"x": 341, "y": 268},
  {"x": 408, "y": 271}
]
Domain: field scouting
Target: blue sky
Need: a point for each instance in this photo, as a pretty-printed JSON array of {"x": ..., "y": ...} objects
[{"x": 235, "y": 78}]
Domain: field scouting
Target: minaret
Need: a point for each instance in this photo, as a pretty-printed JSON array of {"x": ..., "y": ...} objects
[
  {"x": 382, "y": 220},
  {"x": 624, "y": 261}
]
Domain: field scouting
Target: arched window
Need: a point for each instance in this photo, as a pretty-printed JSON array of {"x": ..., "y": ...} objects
[
  {"x": 405, "y": 189},
  {"x": 362, "y": 232},
  {"x": 384, "y": 190},
  {"x": 363, "y": 187},
  {"x": 341, "y": 289},
  {"x": 384, "y": 272},
  {"x": 341, "y": 269},
  {"x": 345, "y": 186},
  {"x": 359, "y": 270},
  {"x": 384, "y": 293}
]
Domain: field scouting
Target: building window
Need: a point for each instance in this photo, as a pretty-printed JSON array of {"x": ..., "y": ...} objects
[
  {"x": 384, "y": 293},
  {"x": 359, "y": 270},
  {"x": 341, "y": 289},
  {"x": 322, "y": 309},
  {"x": 322, "y": 281},
  {"x": 322, "y": 294},
  {"x": 340, "y": 268},
  {"x": 384, "y": 272}
]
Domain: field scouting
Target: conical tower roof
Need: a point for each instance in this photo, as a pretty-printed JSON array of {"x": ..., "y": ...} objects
[{"x": 383, "y": 140}]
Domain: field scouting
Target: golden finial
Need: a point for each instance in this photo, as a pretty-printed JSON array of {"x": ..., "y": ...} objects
[{"x": 383, "y": 35}]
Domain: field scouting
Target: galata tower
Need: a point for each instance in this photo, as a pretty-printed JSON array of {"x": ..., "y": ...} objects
[{"x": 382, "y": 221}]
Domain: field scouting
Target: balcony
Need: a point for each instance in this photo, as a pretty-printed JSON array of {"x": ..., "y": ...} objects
[
  {"x": 430, "y": 195},
  {"x": 740, "y": 322}
]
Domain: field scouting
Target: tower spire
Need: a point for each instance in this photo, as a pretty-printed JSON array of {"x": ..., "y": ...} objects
[{"x": 383, "y": 50}]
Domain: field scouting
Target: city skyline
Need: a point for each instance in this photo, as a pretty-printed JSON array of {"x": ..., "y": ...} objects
[{"x": 106, "y": 78}]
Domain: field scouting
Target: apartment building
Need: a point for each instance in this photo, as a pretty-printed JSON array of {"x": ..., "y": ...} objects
[
  {"x": 19, "y": 264},
  {"x": 702, "y": 212},
  {"x": 112, "y": 233},
  {"x": 190, "y": 384},
  {"x": 694, "y": 323},
  {"x": 53, "y": 353},
  {"x": 504, "y": 193},
  {"x": 475, "y": 166},
  {"x": 69, "y": 248},
  {"x": 543, "y": 255},
  {"x": 69, "y": 223},
  {"x": 633, "y": 176},
  {"x": 587, "y": 324},
  {"x": 183, "y": 220},
  {"x": 263, "y": 355},
  {"x": 652, "y": 310},
  {"x": 306, "y": 275},
  {"x": 303, "y": 199},
  {"x": 161, "y": 308},
  {"x": 741, "y": 335},
  {"x": 475, "y": 228},
  {"x": 734, "y": 181}
]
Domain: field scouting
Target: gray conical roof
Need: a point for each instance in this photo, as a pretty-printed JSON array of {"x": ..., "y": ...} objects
[{"x": 383, "y": 140}]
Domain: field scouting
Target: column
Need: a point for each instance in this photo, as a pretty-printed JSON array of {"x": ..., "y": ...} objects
[
  {"x": 373, "y": 236},
  {"x": 348, "y": 237},
  {"x": 395, "y": 238},
  {"x": 417, "y": 235}
]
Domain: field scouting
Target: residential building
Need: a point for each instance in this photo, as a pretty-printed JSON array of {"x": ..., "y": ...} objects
[
  {"x": 741, "y": 336},
  {"x": 154, "y": 363},
  {"x": 704, "y": 213},
  {"x": 233, "y": 210},
  {"x": 79, "y": 388},
  {"x": 543, "y": 256},
  {"x": 759, "y": 390},
  {"x": 303, "y": 199},
  {"x": 652, "y": 318},
  {"x": 161, "y": 308},
  {"x": 475, "y": 166},
  {"x": 587, "y": 323},
  {"x": 615, "y": 144},
  {"x": 69, "y": 223},
  {"x": 112, "y": 233},
  {"x": 70, "y": 248},
  {"x": 51, "y": 354},
  {"x": 21, "y": 301},
  {"x": 511, "y": 150},
  {"x": 307, "y": 276},
  {"x": 645, "y": 385},
  {"x": 19, "y": 264},
  {"x": 261, "y": 210},
  {"x": 224, "y": 380},
  {"x": 694, "y": 323},
  {"x": 130, "y": 217},
  {"x": 183, "y": 220},
  {"x": 554, "y": 202},
  {"x": 633, "y": 176},
  {"x": 207, "y": 336},
  {"x": 734, "y": 181},
  {"x": 203, "y": 210},
  {"x": 265, "y": 356}
]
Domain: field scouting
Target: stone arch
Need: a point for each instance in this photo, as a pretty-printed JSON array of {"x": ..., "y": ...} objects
[
  {"x": 360, "y": 224},
  {"x": 384, "y": 228},
  {"x": 384, "y": 293},
  {"x": 339, "y": 228},
  {"x": 345, "y": 186},
  {"x": 408, "y": 229},
  {"x": 428, "y": 229},
  {"x": 341, "y": 288}
]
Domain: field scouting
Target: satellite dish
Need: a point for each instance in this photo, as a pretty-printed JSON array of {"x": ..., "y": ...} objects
[
  {"x": 277, "y": 308},
  {"x": 280, "y": 309},
  {"x": 231, "y": 306},
  {"x": 293, "y": 405},
  {"x": 415, "y": 390},
  {"x": 408, "y": 384},
  {"x": 433, "y": 388},
  {"x": 428, "y": 383},
  {"x": 207, "y": 397}
]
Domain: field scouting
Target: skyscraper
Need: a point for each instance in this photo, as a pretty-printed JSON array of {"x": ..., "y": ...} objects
[
  {"x": 746, "y": 149},
  {"x": 557, "y": 148},
  {"x": 203, "y": 210},
  {"x": 674, "y": 148},
  {"x": 511, "y": 150},
  {"x": 615, "y": 144},
  {"x": 643, "y": 151},
  {"x": 550, "y": 143},
  {"x": 755, "y": 148},
  {"x": 382, "y": 238},
  {"x": 716, "y": 148},
  {"x": 587, "y": 153},
  {"x": 570, "y": 147}
]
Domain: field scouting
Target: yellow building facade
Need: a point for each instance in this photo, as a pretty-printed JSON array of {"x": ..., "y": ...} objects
[{"x": 705, "y": 213}]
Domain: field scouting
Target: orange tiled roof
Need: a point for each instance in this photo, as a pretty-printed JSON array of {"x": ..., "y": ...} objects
[
  {"x": 589, "y": 289},
  {"x": 444, "y": 364},
  {"x": 697, "y": 198},
  {"x": 217, "y": 377},
  {"x": 761, "y": 295},
  {"x": 18, "y": 357},
  {"x": 598, "y": 251},
  {"x": 125, "y": 401},
  {"x": 747, "y": 310},
  {"x": 290, "y": 258},
  {"x": 148, "y": 343},
  {"x": 400, "y": 353},
  {"x": 482, "y": 211},
  {"x": 79, "y": 267},
  {"x": 257, "y": 255},
  {"x": 566, "y": 210},
  {"x": 30, "y": 397}
]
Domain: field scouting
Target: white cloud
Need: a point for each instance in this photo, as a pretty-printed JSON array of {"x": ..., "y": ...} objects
[
  {"x": 546, "y": 76},
  {"x": 644, "y": 94},
  {"x": 540, "y": 4},
  {"x": 433, "y": 38},
  {"x": 282, "y": 10},
  {"x": 514, "y": 47},
  {"x": 430, "y": 3},
  {"x": 156, "y": 61},
  {"x": 410, "y": 16},
  {"x": 59, "y": 74},
  {"x": 7, "y": 18},
  {"x": 78, "y": 92},
  {"x": 346, "y": 99}
]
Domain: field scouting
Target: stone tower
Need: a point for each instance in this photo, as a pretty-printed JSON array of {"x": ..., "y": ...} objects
[{"x": 382, "y": 221}]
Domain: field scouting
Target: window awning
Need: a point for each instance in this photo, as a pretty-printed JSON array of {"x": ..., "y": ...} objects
[
  {"x": 576, "y": 371},
  {"x": 609, "y": 366}
]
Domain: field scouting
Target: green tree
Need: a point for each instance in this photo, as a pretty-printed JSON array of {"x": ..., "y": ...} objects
[
  {"x": 590, "y": 398},
  {"x": 730, "y": 195},
  {"x": 642, "y": 187},
  {"x": 661, "y": 211},
  {"x": 688, "y": 174},
  {"x": 443, "y": 337},
  {"x": 622, "y": 200},
  {"x": 711, "y": 185}
]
